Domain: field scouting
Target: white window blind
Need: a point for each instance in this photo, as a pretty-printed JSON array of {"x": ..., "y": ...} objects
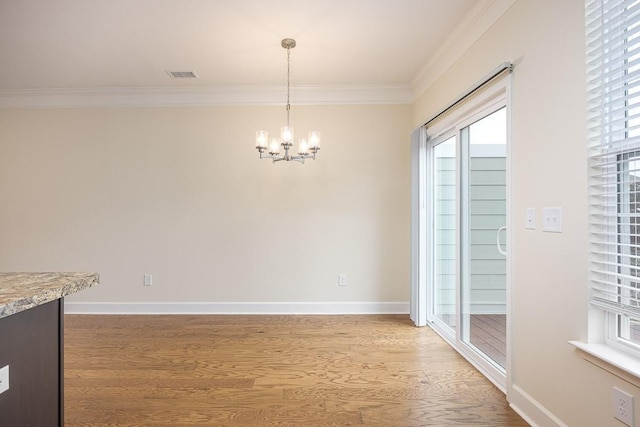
[{"x": 613, "y": 82}]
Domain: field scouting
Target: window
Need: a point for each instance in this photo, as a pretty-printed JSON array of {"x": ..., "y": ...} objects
[
  {"x": 613, "y": 58},
  {"x": 626, "y": 326}
]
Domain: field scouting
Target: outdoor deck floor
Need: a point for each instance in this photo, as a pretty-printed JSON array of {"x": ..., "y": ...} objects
[{"x": 489, "y": 335}]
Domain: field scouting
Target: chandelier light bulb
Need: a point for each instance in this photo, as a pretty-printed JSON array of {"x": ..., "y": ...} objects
[
  {"x": 275, "y": 147},
  {"x": 287, "y": 134},
  {"x": 275, "y": 142},
  {"x": 314, "y": 140},
  {"x": 262, "y": 136},
  {"x": 303, "y": 148}
]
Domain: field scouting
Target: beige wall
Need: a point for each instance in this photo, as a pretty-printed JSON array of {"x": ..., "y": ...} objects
[
  {"x": 181, "y": 194},
  {"x": 545, "y": 40}
]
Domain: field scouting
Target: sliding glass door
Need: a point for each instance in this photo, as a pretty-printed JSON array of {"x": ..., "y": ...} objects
[
  {"x": 444, "y": 232},
  {"x": 483, "y": 230},
  {"x": 467, "y": 217}
]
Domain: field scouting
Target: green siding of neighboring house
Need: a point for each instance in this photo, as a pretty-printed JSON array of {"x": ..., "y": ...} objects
[{"x": 487, "y": 213}]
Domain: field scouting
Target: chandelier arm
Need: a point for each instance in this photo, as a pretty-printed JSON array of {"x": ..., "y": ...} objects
[
  {"x": 287, "y": 158},
  {"x": 277, "y": 159}
]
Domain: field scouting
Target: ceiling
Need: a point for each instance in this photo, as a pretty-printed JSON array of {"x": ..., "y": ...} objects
[{"x": 98, "y": 44}]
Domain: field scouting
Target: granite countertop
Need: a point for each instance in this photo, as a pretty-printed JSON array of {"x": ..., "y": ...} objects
[{"x": 22, "y": 291}]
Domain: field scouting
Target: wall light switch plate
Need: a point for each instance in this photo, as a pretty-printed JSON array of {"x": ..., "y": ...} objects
[
  {"x": 530, "y": 219},
  {"x": 552, "y": 220},
  {"x": 148, "y": 280},
  {"x": 4, "y": 379}
]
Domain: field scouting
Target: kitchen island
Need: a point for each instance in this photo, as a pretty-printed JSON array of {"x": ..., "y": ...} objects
[{"x": 31, "y": 345}]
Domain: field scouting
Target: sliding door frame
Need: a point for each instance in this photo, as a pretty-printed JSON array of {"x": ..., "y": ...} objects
[{"x": 490, "y": 99}]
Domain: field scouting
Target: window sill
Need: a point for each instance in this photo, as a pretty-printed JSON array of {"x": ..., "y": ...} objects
[{"x": 612, "y": 360}]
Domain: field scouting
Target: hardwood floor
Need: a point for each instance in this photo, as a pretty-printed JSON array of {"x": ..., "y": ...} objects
[{"x": 270, "y": 370}]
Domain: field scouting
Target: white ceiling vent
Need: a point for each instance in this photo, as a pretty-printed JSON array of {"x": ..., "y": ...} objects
[{"x": 182, "y": 74}]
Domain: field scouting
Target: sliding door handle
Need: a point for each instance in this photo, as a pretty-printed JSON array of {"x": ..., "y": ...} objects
[{"x": 500, "y": 230}]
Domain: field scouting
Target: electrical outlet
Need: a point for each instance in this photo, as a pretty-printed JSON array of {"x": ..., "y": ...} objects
[
  {"x": 4, "y": 379},
  {"x": 148, "y": 280},
  {"x": 623, "y": 406},
  {"x": 342, "y": 280}
]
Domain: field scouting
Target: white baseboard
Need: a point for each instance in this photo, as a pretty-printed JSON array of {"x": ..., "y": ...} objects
[
  {"x": 531, "y": 410},
  {"x": 236, "y": 307}
]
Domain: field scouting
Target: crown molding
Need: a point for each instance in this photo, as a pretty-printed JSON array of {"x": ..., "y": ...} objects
[
  {"x": 470, "y": 29},
  {"x": 203, "y": 96}
]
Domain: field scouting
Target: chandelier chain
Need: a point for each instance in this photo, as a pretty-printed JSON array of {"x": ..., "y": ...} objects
[{"x": 288, "y": 82}]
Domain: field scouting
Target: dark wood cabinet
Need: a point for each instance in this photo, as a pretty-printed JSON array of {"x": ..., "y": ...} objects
[{"x": 31, "y": 343}]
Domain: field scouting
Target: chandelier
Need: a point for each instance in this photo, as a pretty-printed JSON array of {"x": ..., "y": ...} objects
[{"x": 307, "y": 147}]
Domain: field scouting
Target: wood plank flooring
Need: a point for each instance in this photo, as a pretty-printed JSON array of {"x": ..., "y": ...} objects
[{"x": 133, "y": 371}]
